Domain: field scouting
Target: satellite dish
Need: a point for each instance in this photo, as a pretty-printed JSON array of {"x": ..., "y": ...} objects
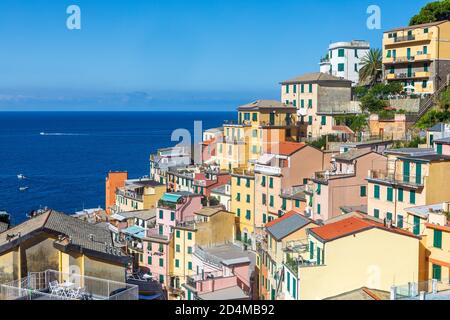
[{"x": 301, "y": 112}]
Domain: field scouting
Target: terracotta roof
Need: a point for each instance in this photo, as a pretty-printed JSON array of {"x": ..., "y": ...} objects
[
  {"x": 316, "y": 77},
  {"x": 286, "y": 148},
  {"x": 352, "y": 225},
  {"x": 208, "y": 142},
  {"x": 417, "y": 26}
]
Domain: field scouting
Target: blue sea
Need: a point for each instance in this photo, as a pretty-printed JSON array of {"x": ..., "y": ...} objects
[{"x": 67, "y": 165}]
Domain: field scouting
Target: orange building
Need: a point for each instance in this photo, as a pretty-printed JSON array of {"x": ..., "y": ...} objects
[{"x": 114, "y": 180}]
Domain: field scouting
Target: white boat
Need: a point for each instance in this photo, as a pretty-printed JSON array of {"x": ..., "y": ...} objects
[
  {"x": 42, "y": 133},
  {"x": 21, "y": 176},
  {"x": 23, "y": 188}
]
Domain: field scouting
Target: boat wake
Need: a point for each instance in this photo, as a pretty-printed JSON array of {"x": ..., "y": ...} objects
[{"x": 61, "y": 134}]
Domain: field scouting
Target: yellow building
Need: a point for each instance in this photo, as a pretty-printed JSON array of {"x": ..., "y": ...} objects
[
  {"x": 56, "y": 241},
  {"x": 283, "y": 232},
  {"x": 348, "y": 253},
  {"x": 434, "y": 226},
  {"x": 243, "y": 203},
  {"x": 413, "y": 177},
  {"x": 210, "y": 226},
  {"x": 260, "y": 123},
  {"x": 138, "y": 194},
  {"x": 418, "y": 56}
]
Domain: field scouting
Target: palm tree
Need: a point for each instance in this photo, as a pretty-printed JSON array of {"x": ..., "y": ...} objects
[{"x": 370, "y": 71}]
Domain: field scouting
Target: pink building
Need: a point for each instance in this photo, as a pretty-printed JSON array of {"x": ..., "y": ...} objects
[
  {"x": 173, "y": 208},
  {"x": 344, "y": 185},
  {"x": 442, "y": 146},
  {"x": 223, "y": 272}
]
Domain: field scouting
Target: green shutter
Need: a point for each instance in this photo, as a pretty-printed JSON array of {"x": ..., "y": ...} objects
[
  {"x": 390, "y": 196},
  {"x": 416, "y": 227},
  {"x": 362, "y": 191},
  {"x": 439, "y": 148},
  {"x": 437, "y": 239},
  {"x": 389, "y": 216},
  {"x": 376, "y": 192},
  {"x": 270, "y": 182},
  {"x": 263, "y": 181},
  {"x": 400, "y": 221},
  {"x": 400, "y": 194},
  {"x": 418, "y": 173},
  {"x": 412, "y": 197},
  {"x": 376, "y": 213},
  {"x": 311, "y": 250},
  {"x": 323, "y": 120},
  {"x": 437, "y": 270},
  {"x": 405, "y": 171}
]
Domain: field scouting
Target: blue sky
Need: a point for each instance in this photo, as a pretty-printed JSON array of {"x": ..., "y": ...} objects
[{"x": 171, "y": 54}]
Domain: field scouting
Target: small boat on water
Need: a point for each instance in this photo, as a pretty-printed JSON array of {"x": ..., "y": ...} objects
[
  {"x": 23, "y": 188},
  {"x": 42, "y": 133},
  {"x": 21, "y": 176}
]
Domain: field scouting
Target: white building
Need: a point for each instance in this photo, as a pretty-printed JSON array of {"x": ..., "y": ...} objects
[{"x": 344, "y": 59}]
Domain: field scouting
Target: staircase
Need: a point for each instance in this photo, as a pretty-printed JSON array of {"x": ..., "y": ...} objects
[{"x": 430, "y": 102}]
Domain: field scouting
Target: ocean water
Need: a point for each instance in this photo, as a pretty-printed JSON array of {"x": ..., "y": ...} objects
[{"x": 66, "y": 167}]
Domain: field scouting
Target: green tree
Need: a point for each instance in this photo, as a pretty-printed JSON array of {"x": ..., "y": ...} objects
[
  {"x": 433, "y": 117},
  {"x": 370, "y": 71},
  {"x": 444, "y": 100},
  {"x": 371, "y": 103},
  {"x": 432, "y": 12}
]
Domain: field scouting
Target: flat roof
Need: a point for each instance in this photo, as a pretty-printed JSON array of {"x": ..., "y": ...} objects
[
  {"x": 424, "y": 25},
  {"x": 231, "y": 293}
]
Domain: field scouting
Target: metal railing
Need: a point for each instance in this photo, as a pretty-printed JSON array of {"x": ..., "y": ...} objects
[
  {"x": 423, "y": 290},
  {"x": 397, "y": 178}
]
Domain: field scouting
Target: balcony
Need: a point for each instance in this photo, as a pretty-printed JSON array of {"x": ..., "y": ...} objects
[
  {"x": 386, "y": 177},
  {"x": 324, "y": 176},
  {"x": 54, "y": 285},
  {"x": 269, "y": 170},
  {"x": 129, "y": 194},
  {"x": 408, "y": 75},
  {"x": 408, "y": 38}
]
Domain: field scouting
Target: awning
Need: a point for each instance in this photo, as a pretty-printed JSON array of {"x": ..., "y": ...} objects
[{"x": 171, "y": 197}]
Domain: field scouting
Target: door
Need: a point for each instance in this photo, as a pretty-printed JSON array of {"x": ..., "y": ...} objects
[
  {"x": 272, "y": 294},
  {"x": 408, "y": 53},
  {"x": 416, "y": 227},
  {"x": 418, "y": 173},
  {"x": 409, "y": 71}
]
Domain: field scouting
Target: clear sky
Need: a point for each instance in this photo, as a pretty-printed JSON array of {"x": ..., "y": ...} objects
[{"x": 176, "y": 54}]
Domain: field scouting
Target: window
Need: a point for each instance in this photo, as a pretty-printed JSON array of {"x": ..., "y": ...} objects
[
  {"x": 425, "y": 49},
  {"x": 238, "y": 196},
  {"x": 161, "y": 262},
  {"x": 287, "y": 88},
  {"x": 149, "y": 260},
  {"x": 425, "y": 68},
  {"x": 177, "y": 248},
  {"x": 271, "y": 201},
  {"x": 254, "y": 151},
  {"x": 294, "y": 87},
  {"x": 172, "y": 216},
  {"x": 189, "y": 250},
  {"x": 238, "y": 182},
  {"x": 323, "y": 121},
  {"x": 318, "y": 208},
  {"x": 283, "y": 206},
  {"x": 363, "y": 191},
  {"x": 412, "y": 197},
  {"x": 161, "y": 278},
  {"x": 388, "y": 55},
  {"x": 424, "y": 84},
  {"x": 400, "y": 194},
  {"x": 263, "y": 181},
  {"x": 254, "y": 116},
  {"x": 177, "y": 233},
  {"x": 247, "y": 183},
  {"x": 297, "y": 203},
  {"x": 390, "y": 193},
  {"x": 310, "y": 120},
  {"x": 425, "y": 30},
  {"x": 341, "y": 52},
  {"x": 437, "y": 269},
  {"x": 189, "y": 235},
  {"x": 376, "y": 213},
  {"x": 264, "y": 218},
  {"x": 416, "y": 227},
  {"x": 319, "y": 255},
  {"x": 356, "y": 53},
  {"x": 302, "y": 103},
  {"x": 341, "y": 67},
  {"x": 319, "y": 188},
  {"x": 254, "y": 133},
  {"x": 247, "y": 215},
  {"x": 302, "y": 88},
  {"x": 310, "y": 103},
  {"x": 288, "y": 282},
  {"x": 177, "y": 263},
  {"x": 311, "y": 250},
  {"x": 189, "y": 265},
  {"x": 356, "y": 67},
  {"x": 271, "y": 182},
  {"x": 437, "y": 239},
  {"x": 238, "y": 212},
  {"x": 376, "y": 192},
  {"x": 161, "y": 214},
  {"x": 400, "y": 221},
  {"x": 310, "y": 88},
  {"x": 248, "y": 198},
  {"x": 161, "y": 229},
  {"x": 264, "y": 199}
]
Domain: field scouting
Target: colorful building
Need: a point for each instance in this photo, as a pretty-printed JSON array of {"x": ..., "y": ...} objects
[
  {"x": 281, "y": 233},
  {"x": 412, "y": 177},
  {"x": 138, "y": 194},
  {"x": 114, "y": 180},
  {"x": 344, "y": 185},
  {"x": 418, "y": 56},
  {"x": 260, "y": 123},
  {"x": 433, "y": 224},
  {"x": 319, "y": 97},
  {"x": 347, "y": 253},
  {"x": 283, "y": 166}
]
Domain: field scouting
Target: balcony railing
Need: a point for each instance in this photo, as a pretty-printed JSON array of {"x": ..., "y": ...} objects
[
  {"x": 129, "y": 194},
  {"x": 270, "y": 170},
  {"x": 396, "y": 178}
]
